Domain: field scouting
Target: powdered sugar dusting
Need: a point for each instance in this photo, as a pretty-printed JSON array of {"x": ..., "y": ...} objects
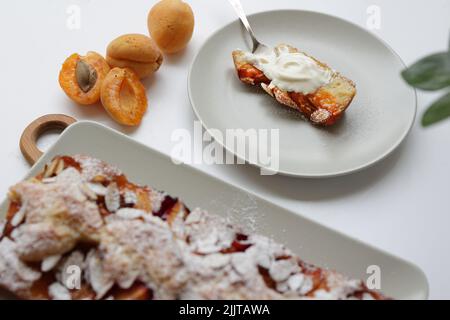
[
  {"x": 92, "y": 168},
  {"x": 14, "y": 274},
  {"x": 193, "y": 255},
  {"x": 242, "y": 210}
]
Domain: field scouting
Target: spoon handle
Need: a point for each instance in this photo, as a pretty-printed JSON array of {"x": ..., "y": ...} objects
[{"x": 242, "y": 16}]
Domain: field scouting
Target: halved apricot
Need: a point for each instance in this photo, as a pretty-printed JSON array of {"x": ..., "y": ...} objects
[
  {"x": 138, "y": 291},
  {"x": 81, "y": 77},
  {"x": 124, "y": 96}
]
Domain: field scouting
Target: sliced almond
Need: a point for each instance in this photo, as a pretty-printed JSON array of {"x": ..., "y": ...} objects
[
  {"x": 130, "y": 213},
  {"x": 60, "y": 167},
  {"x": 130, "y": 197},
  {"x": 96, "y": 276},
  {"x": 99, "y": 179},
  {"x": 19, "y": 216},
  {"x": 97, "y": 188},
  {"x": 112, "y": 197},
  {"x": 49, "y": 180},
  {"x": 88, "y": 192},
  {"x": 295, "y": 281},
  {"x": 50, "y": 169},
  {"x": 50, "y": 262}
]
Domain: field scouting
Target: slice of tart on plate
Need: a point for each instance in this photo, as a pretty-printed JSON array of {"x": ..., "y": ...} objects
[{"x": 298, "y": 81}]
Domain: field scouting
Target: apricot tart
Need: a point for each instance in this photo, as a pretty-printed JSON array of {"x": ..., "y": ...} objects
[
  {"x": 81, "y": 230},
  {"x": 298, "y": 81},
  {"x": 81, "y": 77}
]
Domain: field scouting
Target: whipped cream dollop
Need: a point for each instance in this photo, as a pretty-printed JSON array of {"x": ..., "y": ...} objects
[{"x": 291, "y": 71}]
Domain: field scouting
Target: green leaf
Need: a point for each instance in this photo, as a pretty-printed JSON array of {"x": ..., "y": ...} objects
[
  {"x": 429, "y": 73},
  {"x": 438, "y": 111}
]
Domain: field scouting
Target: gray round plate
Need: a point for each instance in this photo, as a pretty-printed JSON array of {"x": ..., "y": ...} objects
[{"x": 376, "y": 122}]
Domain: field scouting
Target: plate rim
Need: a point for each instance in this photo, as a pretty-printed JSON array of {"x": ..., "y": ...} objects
[{"x": 298, "y": 174}]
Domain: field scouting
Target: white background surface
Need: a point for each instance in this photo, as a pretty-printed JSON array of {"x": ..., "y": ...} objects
[{"x": 400, "y": 205}]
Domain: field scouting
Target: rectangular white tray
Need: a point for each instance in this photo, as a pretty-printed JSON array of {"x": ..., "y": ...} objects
[{"x": 311, "y": 241}]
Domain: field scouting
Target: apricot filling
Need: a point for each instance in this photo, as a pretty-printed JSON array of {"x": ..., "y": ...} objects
[
  {"x": 124, "y": 96},
  {"x": 81, "y": 77}
]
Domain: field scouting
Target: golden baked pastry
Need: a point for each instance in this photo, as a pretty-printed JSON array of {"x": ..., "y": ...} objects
[
  {"x": 82, "y": 217},
  {"x": 323, "y": 105}
]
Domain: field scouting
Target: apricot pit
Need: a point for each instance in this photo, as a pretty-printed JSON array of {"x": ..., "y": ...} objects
[{"x": 86, "y": 76}]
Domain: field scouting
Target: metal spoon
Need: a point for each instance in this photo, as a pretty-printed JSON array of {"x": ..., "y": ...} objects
[{"x": 258, "y": 47}]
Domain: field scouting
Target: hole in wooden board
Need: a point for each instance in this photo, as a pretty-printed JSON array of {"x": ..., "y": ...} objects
[{"x": 47, "y": 138}]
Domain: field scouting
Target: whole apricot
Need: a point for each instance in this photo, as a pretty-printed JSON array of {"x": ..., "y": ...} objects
[
  {"x": 81, "y": 77},
  {"x": 123, "y": 96},
  {"x": 135, "y": 51},
  {"x": 170, "y": 24}
]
